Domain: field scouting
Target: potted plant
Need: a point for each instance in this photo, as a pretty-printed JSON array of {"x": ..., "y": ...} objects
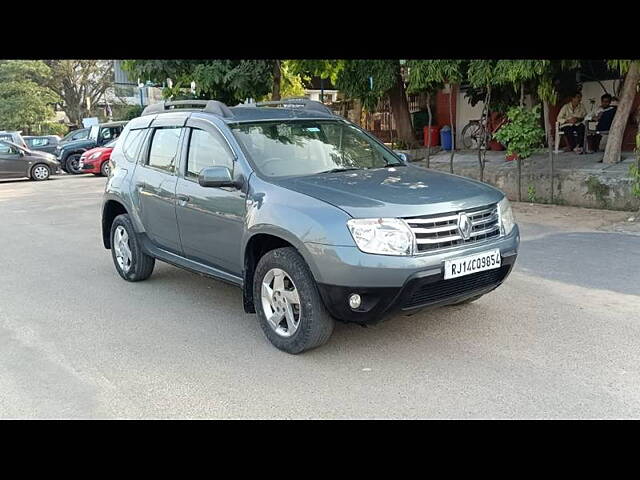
[{"x": 521, "y": 134}]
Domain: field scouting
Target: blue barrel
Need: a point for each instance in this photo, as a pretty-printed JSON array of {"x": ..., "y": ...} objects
[{"x": 445, "y": 137}]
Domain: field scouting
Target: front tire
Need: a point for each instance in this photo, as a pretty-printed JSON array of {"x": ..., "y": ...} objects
[
  {"x": 288, "y": 304},
  {"x": 73, "y": 164},
  {"x": 130, "y": 261},
  {"x": 40, "y": 172}
]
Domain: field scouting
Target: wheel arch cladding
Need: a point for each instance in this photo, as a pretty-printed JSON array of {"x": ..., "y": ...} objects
[
  {"x": 110, "y": 211},
  {"x": 258, "y": 245}
]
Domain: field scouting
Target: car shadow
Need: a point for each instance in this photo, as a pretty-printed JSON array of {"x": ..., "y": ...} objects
[{"x": 587, "y": 259}]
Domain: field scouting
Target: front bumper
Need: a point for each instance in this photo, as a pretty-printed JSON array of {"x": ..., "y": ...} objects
[
  {"x": 390, "y": 284},
  {"x": 90, "y": 168}
]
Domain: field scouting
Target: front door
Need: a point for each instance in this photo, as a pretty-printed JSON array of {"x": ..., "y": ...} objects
[
  {"x": 154, "y": 190},
  {"x": 210, "y": 219},
  {"x": 12, "y": 163}
]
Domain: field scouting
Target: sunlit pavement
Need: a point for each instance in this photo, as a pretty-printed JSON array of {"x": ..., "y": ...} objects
[{"x": 560, "y": 339}]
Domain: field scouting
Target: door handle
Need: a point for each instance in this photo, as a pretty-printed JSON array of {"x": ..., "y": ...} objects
[{"x": 183, "y": 198}]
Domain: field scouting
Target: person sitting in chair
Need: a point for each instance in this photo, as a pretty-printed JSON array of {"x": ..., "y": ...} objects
[
  {"x": 571, "y": 118},
  {"x": 604, "y": 118}
]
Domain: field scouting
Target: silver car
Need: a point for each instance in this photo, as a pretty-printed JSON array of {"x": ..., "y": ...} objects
[{"x": 311, "y": 216}]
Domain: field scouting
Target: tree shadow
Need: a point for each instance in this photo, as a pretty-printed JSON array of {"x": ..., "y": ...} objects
[{"x": 607, "y": 261}]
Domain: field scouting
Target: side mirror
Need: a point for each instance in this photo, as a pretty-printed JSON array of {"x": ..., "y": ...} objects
[
  {"x": 216, "y": 177},
  {"x": 404, "y": 156}
]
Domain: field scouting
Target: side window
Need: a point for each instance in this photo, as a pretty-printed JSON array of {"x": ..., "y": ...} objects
[
  {"x": 207, "y": 150},
  {"x": 131, "y": 144},
  {"x": 5, "y": 148},
  {"x": 164, "y": 148}
]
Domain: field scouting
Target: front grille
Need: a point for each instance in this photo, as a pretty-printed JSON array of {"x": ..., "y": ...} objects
[
  {"x": 433, "y": 232},
  {"x": 420, "y": 293}
]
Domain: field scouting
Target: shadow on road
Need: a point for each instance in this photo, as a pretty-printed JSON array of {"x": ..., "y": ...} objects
[{"x": 594, "y": 260}]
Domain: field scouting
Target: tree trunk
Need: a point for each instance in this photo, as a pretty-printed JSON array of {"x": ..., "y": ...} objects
[
  {"x": 547, "y": 126},
  {"x": 453, "y": 132},
  {"x": 430, "y": 115},
  {"x": 486, "y": 113},
  {"x": 357, "y": 108},
  {"x": 400, "y": 112},
  {"x": 616, "y": 133},
  {"x": 277, "y": 79}
]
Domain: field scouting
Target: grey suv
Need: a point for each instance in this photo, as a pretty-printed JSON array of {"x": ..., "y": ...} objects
[{"x": 310, "y": 215}]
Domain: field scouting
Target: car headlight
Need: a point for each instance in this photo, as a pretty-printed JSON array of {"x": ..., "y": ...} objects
[
  {"x": 507, "y": 220},
  {"x": 94, "y": 155},
  {"x": 386, "y": 236}
]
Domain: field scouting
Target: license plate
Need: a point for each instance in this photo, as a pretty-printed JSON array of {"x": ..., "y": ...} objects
[{"x": 479, "y": 262}]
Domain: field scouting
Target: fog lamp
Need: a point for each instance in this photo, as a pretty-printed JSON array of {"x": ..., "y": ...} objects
[{"x": 354, "y": 300}]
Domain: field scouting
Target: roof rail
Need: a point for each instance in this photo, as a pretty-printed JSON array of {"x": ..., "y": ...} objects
[
  {"x": 302, "y": 101},
  {"x": 208, "y": 106}
]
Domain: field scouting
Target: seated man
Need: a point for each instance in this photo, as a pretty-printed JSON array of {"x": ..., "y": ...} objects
[
  {"x": 570, "y": 118},
  {"x": 604, "y": 118}
]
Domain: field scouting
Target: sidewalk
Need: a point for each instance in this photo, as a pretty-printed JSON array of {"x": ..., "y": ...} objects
[{"x": 578, "y": 179}]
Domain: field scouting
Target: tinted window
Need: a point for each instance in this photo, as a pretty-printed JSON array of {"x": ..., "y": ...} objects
[
  {"x": 131, "y": 144},
  {"x": 164, "y": 148},
  {"x": 7, "y": 149},
  {"x": 79, "y": 135},
  {"x": 305, "y": 147},
  {"x": 207, "y": 150}
]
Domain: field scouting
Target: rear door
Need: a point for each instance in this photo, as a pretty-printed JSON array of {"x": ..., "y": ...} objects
[{"x": 154, "y": 186}]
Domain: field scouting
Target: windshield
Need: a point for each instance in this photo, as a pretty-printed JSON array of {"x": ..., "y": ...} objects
[
  {"x": 307, "y": 147},
  {"x": 112, "y": 143},
  {"x": 93, "y": 132}
]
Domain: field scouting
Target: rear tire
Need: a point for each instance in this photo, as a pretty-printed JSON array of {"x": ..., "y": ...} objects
[
  {"x": 314, "y": 324},
  {"x": 40, "y": 172},
  {"x": 130, "y": 261},
  {"x": 105, "y": 169}
]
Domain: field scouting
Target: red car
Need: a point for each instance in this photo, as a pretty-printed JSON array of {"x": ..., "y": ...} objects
[{"x": 96, "y": 160}]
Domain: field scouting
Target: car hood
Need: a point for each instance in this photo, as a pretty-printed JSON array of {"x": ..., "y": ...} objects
[
  {"x": 84, "y": 143},
  {"x": 402, "y": 191},
  {"x": 101, "y": 150}
]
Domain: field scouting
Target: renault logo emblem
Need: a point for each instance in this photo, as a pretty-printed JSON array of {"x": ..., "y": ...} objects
[{"x": 464, "y": 226}]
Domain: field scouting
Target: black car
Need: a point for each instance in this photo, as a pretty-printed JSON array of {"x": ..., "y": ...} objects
[
  {"x": 44, "y": 143},
  {"x": 18, "y": 162},
  {"x": 79, "y": 134},
  {"x": 69, "y": 153}
]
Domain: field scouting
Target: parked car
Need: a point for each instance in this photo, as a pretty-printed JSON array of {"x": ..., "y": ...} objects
[
  {"x": 14, "y": 137},
  {"x": 44, "y": 143},
  {"x": 79, "y": 134},
  {"x": 311, "y": 216},
  {"x": 69, "y": 153},
  {"x": 96, "y": 160},
  {"x": 17, "y": 162}
]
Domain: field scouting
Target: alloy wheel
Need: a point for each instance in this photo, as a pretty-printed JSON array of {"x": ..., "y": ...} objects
[
  {"x": 41, "y": 172},
  {"x": 122, "y": 248},
  {"x": 281, "y": 302}
]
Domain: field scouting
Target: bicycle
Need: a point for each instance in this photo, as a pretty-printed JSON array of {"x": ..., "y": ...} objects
[{"x": 475, "y": 133}]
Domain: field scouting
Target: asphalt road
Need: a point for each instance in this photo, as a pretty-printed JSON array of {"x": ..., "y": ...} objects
[{"x": 560, "y": 339}]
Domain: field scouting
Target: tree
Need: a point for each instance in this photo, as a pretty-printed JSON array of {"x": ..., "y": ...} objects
[
  {"x": 25, "y": 101},
  {"x": 433, "y": 73},
  {"x": 631, "y": 70},
  {"x": 80, "y": 83},
  {"x": 369, "y": 81},
  {"x": 229, "y": 81}
]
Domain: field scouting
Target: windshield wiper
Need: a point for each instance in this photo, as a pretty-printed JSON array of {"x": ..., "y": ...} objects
[{"x": 341, "y": 169}]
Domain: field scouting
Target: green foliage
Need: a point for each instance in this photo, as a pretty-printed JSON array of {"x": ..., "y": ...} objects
[
  {"x": 522, "y": 133},
  {"x": 531, "y": 193},
  {"x": 353, "y": 80},
  {"x": 129, "y": 112},
  {"x": 431, "y": 75},
  {"x": 24, "y": 99},
  {"x": 316, "y": 68},
  {"x": 52, "y": 128},
  {"x": 621, "y": 65},
  {"x": 229, "y": 81},
  {"x": 502, "y": 97}
]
